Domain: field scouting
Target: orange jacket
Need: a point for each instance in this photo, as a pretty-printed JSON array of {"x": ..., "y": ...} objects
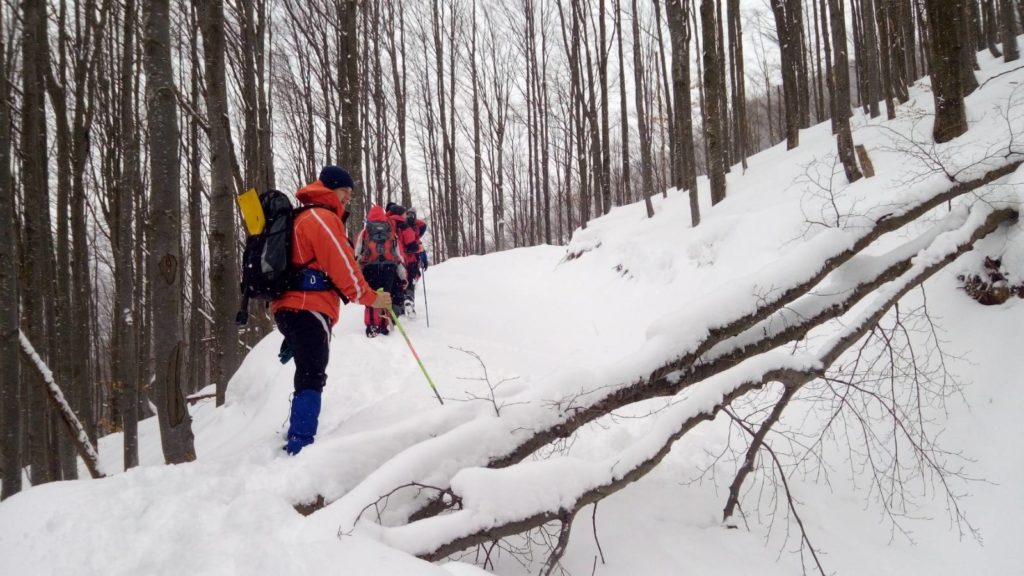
[{"x": 319, "y": 241}]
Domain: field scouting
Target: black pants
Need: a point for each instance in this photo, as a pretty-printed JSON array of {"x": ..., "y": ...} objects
[
  {"x": 308, "y": 334},
  {"x": 382, "y": 275}
]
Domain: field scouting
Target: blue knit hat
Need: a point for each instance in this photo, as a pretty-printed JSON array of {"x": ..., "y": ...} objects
[{"x": 335, "y": 177}]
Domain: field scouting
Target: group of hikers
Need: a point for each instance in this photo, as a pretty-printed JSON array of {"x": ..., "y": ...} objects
[
  {"x": 380, "y": 273},
  {"x": 391, "y": 257}
]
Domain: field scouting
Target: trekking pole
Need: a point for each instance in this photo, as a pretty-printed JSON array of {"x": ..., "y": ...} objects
[
  {"x": 394, "y": 318},
  {"x": 426, "y": 305}
]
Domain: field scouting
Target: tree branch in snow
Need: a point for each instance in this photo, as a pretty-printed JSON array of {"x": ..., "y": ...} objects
[
  {"x": 472, "y": 525},
  {"x": 492, "y": 387},
  {"x": 746, "y": 333},
  {"x": 758, "y": 440},
  {"x": 73, "y": 425}
]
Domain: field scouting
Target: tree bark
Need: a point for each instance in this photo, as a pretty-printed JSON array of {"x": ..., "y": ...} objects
[
  {"x": 712, "y": 69},
  {"x": 683, "y": 154},
  {"x": 10, "y": 376},
  {"x": 786, "y": 25},
  {"x": 947, "y": 64},
  {"x": 351, "y": 133},
  {"x": 885, "y": 45},
  {"x": 624, "y": 123},
  {"x": 223, "y": 237},
  {"x": 1009, "y": 30},
  {"x": 38, "y": 244},
  {"x": 841, "y": 92},
  {"x": 606, "y": 142},
  {"x": 867, "y": 13},
  {"x": 124, "y": 358},
  {"x": 641, "y": 116},
  {"x": 165, "y": 225}
]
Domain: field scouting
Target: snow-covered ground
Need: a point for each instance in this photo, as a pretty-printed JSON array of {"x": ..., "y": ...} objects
[{"x": 548, "y": 326}]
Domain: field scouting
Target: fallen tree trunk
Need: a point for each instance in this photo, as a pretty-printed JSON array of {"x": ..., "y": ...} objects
[
  {"x": 723, "y": 345},
  {"x": 72, "y": 424},
  {"x": 475, "y": 523}
]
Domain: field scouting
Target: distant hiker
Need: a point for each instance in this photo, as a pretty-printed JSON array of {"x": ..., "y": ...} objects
[
  {"x": 409, "y": 240},
  {"x": 382, "y": 259},
  {"x": 420, "y": 227},
  {"x": 323, "y": 254}
]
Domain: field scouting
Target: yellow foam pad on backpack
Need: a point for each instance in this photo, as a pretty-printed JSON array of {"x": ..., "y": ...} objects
[{"x": 252, "y": 211}]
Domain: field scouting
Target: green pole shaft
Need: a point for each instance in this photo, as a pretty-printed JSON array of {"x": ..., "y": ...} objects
[{"x": 423, "y": 369}]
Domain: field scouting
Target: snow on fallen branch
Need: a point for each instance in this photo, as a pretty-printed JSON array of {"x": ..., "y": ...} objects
[
  {"x": 556, "y": 489},
  {"x": 74, "y": 426},
  {"x": 677, "y": 361}
]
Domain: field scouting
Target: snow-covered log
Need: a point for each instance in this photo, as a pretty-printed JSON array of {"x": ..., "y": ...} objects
[
  {"x": 558, "y": 488},
  {"x": 74, "y": 426}
]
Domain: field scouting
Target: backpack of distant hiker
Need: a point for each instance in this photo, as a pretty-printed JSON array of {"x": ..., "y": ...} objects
[
  {"x": 378, "y": 243},
  {"x": 267, "y": 271}
]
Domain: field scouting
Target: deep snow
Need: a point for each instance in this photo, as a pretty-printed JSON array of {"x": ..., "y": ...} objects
[{"x": 639, "y": 291}]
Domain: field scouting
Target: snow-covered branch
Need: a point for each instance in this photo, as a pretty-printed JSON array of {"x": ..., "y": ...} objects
[
  {"x": 75, "y": 429},
  {"x": 541, "y": 499}
]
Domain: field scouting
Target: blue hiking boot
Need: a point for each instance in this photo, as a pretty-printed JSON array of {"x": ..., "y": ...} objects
[{"x": 302, "y": 427}]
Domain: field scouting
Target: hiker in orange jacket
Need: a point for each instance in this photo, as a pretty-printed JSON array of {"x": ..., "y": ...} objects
[
  {"x": 382, "y": 259},
  {"x": 319, "y": 247}
]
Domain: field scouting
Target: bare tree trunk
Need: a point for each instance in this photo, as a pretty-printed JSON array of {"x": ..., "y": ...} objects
[
  {"x": 885, "y": 46},
  {"x": 351, "y": 134},
  {"x": 739, "y": 99},
  {"x": 38, "y": 244},
  {"x": 10, "y": 377},
  {"x": 602, "y": 75},
  {"x": 590, "y": 105},
  {"x": 1010, "y": 51},
  {"x": 968, "y": 39},
  {"x": 991, "y": 27},
  {"x": 899, "y": 47},
  {"x": 478, "y": 172},
  {"x": 682, "y": 133},
  {"x": 223, "y": 237},
  {"x": 624, "y": 122},
  {"x": 787, "y": 26},
  {"x": 165, "y": 223},
  {"x": 907, "y": 10},
  {"x": 867, "y": 14},
  {"x": 830, "y": 81},
  {"x": 395, "y": 43},
  {"x": 124, "y": 319},
  {"x": 641, "y": 116},
  {"x": 62, "y": 339},
  {"x": 947, "y": 64},
  {"x": 841, "y": 91},
  {"x": 712, "y": 69}
]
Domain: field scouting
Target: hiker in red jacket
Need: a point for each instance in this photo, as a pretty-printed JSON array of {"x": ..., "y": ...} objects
[
  {"x": 382, "y": 260},
  {"x": 410, "y": 242},
  {"x": 305, "y": 317}
]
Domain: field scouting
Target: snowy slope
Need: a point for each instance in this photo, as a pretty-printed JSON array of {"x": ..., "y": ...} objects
[{"x": 634, "y": 291}]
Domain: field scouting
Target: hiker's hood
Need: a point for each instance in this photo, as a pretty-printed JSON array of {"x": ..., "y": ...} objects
[
  {"x": 377, "y": 214},
  {"x": 317, "y": 193}
]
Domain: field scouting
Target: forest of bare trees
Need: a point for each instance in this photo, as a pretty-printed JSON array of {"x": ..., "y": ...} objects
[{"x": 127, "y": 127}]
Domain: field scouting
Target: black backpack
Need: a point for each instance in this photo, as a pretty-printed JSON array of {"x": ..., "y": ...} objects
[{"x": 267, "y": 272}]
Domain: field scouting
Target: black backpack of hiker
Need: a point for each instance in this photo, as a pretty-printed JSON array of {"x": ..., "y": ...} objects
[{"x": 267, "y": 272}]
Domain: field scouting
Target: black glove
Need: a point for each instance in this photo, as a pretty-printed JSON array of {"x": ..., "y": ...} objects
[{"x": 286, "y": 352}]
